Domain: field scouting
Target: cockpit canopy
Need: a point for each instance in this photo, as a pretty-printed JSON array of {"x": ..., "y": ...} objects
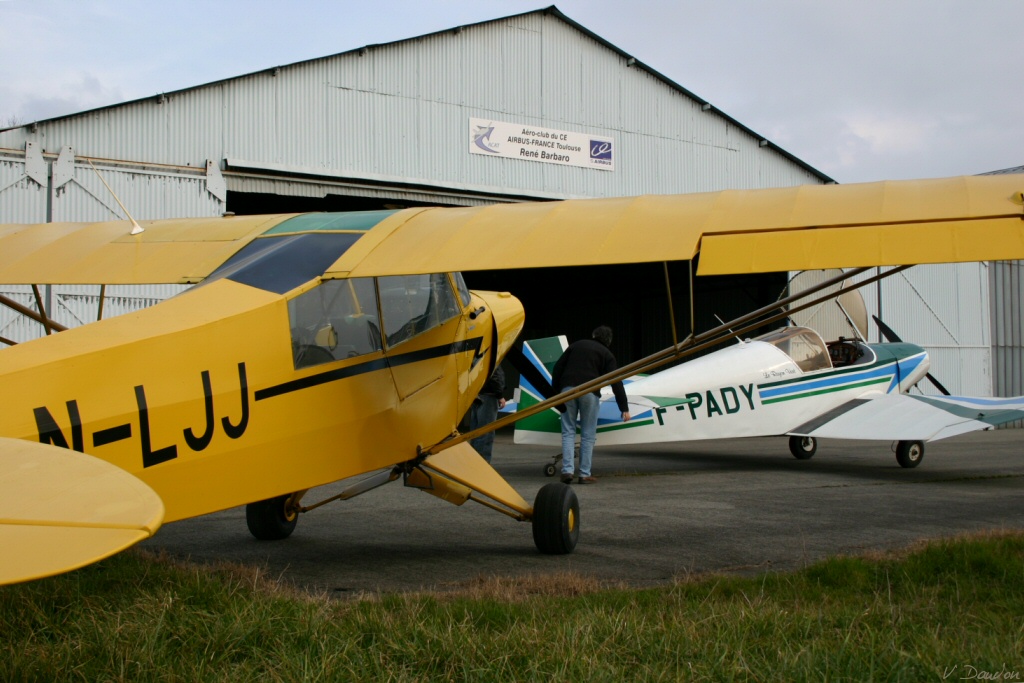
[
  {"x": 810, "y": 353},
  {"x": 802, "y": 344}
]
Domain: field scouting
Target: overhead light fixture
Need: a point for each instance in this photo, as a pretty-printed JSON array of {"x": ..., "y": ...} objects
[
  {"x": 631, "y": 61},
  {"x": 762, "y": 143},
  {"x": 706, "y": 106}
]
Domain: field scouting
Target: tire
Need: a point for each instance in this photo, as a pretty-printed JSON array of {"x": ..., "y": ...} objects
[
  {"x": 556, "y": 519},
  {"x": 549, "y": 469},
  {"x": 268, "y": 520},
  {"x": 803, "y": 447},
  {"x": 909, "y": 453}
]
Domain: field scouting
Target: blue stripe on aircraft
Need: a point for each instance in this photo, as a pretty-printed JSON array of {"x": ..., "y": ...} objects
[
  {"x": 828, "y": 382},
  {"x": 535, "y": 361},
  {"x": 974, "y": 400},
  {"x": 907, "y": 366}
]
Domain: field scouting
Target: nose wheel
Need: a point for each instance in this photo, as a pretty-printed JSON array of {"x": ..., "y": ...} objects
[{"x": 555, "y": 466}]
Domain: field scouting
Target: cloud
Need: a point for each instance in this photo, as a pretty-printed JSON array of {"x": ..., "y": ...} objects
[
  {"x": 80, "y": 92},
  {"x": 889, "y": 133}
]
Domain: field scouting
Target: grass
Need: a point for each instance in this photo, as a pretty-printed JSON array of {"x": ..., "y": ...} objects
[{"x": 952, "y": 608}]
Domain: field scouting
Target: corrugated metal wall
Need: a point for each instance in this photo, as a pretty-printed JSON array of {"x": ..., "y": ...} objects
[
  {"x": 22, "y": 200},
  {"x": 74, "y": 305},
  {"x": 69, "y": 189},
  {"x": 944, "y": 308},
  {"x": 1007, "y": 284}
]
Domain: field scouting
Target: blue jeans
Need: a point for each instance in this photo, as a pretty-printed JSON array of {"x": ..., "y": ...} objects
[
  {"x": 586, "y": 407},
  {"x": 483, "y": 413}
]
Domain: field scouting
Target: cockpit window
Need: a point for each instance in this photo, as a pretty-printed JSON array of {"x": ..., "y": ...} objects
[
  {"x": 803, "y": 345},
  {"x": 334, "y": 321},
  {"x": 413, "y": 304},
  {"x": 850, "y": 352},
  {"x": 460, "y": 284},
  {"x": 280, "y": 264}
]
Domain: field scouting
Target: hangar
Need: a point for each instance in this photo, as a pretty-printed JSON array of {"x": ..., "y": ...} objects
[{"x": 529, "y": 107}]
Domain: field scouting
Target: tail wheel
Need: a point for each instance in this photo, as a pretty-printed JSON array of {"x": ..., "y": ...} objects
[
  {"x": 909, "y": 453},
  {"x": 556, "y": 519},
  {"x": 271, "y": 519},
  {"x": 803, "y": 447}
]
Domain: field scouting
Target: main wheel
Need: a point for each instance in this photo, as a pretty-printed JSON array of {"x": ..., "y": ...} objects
[
  {"x": 270, "y": 520},
  {"x": 803, "y": 447},
  {"x": 556, "y": 519},
  {"x": 909, "y": 453}
]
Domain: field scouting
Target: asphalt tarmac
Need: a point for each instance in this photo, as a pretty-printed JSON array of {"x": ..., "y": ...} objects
[{"x": 657, "y": 513}]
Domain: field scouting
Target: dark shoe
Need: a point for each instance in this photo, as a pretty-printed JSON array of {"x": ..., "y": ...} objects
[
  {"x": 588, "y": 480},
  {"x": 566, "y": 478}
]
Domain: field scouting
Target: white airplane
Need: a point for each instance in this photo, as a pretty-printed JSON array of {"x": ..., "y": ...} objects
[{"x": 786, "y": 382}]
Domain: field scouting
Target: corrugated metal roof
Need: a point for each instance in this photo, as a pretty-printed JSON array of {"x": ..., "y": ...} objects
[{"x": 1014, "y": 169}]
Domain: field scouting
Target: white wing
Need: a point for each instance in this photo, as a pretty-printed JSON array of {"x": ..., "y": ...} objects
[{"x": 902, "y": 417}]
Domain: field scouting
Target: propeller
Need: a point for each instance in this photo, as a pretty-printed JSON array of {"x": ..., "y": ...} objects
[{"x": 891, "y": 336}]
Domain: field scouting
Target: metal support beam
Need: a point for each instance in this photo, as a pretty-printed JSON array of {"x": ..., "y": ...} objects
[
  {"x": 671, "y": 310},
  {"x": 29, "y": 313},
  {"x": 43, "y": 317}
]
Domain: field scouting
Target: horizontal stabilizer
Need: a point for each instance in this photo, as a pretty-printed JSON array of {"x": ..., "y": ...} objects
[
  {"x": 61, "y": 510},
  {"x": 904, "y": 417}
]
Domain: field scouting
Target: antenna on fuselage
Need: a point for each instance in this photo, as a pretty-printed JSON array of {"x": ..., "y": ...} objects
[
  {"x": 136, "y": 228},
  {"x": 722, "y": 322}
]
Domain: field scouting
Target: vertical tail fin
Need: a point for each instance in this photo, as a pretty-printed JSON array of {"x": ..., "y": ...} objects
[{"x": 544, "y": 427}]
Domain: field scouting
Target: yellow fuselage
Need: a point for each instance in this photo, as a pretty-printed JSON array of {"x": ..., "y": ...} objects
[{"x": 200, "y": 397}]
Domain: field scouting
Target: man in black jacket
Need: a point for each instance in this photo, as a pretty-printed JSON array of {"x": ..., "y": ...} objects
[{"x": 583, "y": 361}]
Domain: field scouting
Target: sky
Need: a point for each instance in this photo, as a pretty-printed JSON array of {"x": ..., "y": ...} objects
[{"x": 861, "y": 90}]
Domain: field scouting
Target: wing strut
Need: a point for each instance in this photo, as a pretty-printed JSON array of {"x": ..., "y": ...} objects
[
  {"x": 671, "y": 310},
  {"x": 29, "y": 313},
  {"x": 44, "y": 317}
]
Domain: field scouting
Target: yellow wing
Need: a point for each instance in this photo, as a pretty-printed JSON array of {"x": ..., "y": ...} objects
[
  {"x": 175, "y": 251},
  {"x": 735, "y": 231},
  {"x": 61, "y": 510}
]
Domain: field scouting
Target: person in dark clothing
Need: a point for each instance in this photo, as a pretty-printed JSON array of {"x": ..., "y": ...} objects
[
  {"x": 485, "y": 411},
  {"x": 583, "y": 361}
]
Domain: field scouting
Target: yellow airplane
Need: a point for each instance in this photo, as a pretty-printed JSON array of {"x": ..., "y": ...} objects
[{"x": 320, "y": 347}]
